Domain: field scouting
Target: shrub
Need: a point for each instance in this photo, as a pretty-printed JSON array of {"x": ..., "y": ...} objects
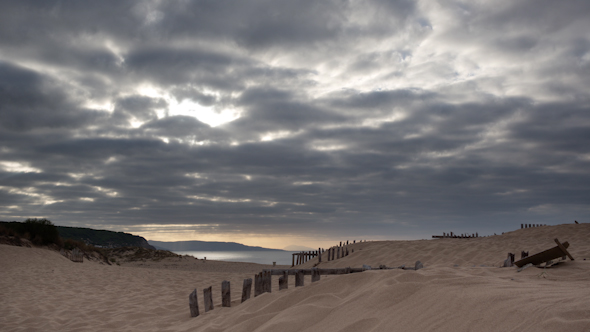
[{"x": 42, "y": 231}]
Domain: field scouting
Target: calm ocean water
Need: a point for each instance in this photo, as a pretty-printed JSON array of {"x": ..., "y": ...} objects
[{"x": 260, "y": 257}]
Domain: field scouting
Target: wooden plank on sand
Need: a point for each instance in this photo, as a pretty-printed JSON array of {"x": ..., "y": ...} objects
[{"x": 547, "y": 255}]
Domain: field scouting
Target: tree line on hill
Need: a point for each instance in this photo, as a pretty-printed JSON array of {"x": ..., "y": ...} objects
[{"x": 43, "y": 232}]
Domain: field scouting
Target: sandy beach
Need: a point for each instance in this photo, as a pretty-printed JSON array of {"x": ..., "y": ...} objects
[{"x": 461, "y": 288}]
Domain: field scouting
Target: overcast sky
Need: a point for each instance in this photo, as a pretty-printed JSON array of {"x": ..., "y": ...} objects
[{"x": 295, "y": 122}]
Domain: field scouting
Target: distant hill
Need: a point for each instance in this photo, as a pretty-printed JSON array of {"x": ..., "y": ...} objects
[
  {"x": 298, "y": 248},
  {"x": 206, "y": 246},
  {"x": 103, "y": 238}
]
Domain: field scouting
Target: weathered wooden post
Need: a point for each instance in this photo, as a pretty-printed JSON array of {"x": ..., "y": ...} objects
[
  {"x": 299, "y": 278},
  {"x": 315, "y": 275},
  {"x": 521, "y": 226},
  {"x": 333, "y": 253},
  {"x": 193, "y": 304},
  {"x": 284, "y": 281},
  {"x": 319, "y": 255},
  {"x": 268, "y": 282},
  {"x": 509, "y": 261},
  {"x": 292, "y": 260},
  {"x": 225, "y": 294},
  {"x": 208, "y": 298},
  {"x": 246, "y": 289},
  {"x": 258, "y": 284},
  {"x": 338, "y": 253}
]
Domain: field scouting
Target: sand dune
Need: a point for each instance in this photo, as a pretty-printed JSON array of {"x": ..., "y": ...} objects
[{"x": 461, "y": 288}]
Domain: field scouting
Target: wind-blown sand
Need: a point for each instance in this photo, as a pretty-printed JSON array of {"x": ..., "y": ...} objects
[{"x": 461, "y": 288}]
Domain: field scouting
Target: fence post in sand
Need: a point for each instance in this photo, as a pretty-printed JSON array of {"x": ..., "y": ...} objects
[
  {"x": 319, "y": 255},
  {"x": 225, "y": 294},
  {"x": 208, "y": 298},
  {"x": 284, "y": 281},
  {"x": 299, "y": 278},
  {"x": 246, "y": 289},
  {"x": 315, "y": 275},
  {"x": 292, "y": 260},
  {"x": 333, "y": 253},
  {"x": 193, "y": 304},
  {"x": 268, "y": 282},
  {"x": 338, "y": 253},
  {"x": 258, "y": 284}
]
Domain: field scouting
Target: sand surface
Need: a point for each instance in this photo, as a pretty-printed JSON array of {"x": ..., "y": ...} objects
[{"x": 461, "y": 288}]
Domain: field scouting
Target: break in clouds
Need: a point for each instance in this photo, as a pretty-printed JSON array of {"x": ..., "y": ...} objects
[{"x": 374, "y": 119}]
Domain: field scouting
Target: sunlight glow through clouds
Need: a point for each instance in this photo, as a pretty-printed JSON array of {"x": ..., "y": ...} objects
[
  {"x": 17, "y": 167},
  {"x": 188, "y": 107}
]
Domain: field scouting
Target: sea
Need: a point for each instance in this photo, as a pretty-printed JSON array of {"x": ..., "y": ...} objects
[{"x": 260, "y": 257}]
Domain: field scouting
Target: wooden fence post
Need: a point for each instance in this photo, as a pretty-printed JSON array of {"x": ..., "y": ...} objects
[
  {"x": 208, "y": 298},
  {"x": 319, "y": 255},
  {"x": 284, "y": 281},
  {"x": 315, "y": 275},
  {"x": 246, "y": 289},
  {"x": 258, "y": 284},
  {"x": 338, "y": 253},
  {"x": 299, "y": 278},
  {"x": 193, "y": 304},
  {"x": 268, "y": 282},
  {"x": 292, "y": 260},
  {"x": 225, "y": 294}
]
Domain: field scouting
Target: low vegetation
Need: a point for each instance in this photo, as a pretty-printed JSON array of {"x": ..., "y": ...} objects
[{"x": 42, "y": 232}]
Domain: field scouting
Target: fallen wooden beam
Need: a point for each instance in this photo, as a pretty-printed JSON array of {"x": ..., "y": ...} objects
[
  {"x": 307, "y": 272},
  {"x": 556, "y": 252}
]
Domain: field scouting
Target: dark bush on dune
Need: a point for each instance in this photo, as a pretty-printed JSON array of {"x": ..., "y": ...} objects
[{"x": 39, "y": 231}]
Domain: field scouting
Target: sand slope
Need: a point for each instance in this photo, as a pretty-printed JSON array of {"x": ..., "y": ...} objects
[{"x": 41, "y": 290}]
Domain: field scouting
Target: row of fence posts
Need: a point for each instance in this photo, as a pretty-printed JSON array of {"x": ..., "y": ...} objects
[
  {"x": 262, "y": 284},
  {"x": 75, "y": 256},
  {"x": 333, "y": 253},
  {"x": 531, "y": 225},
  {"x": 451, "y": 235}
]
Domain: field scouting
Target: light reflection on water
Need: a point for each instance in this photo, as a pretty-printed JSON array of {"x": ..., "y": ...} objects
[{"x": 260, "y": 257}]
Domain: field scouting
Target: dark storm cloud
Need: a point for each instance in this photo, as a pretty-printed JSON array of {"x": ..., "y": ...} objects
[
  {"x": 381, "y": 118},
  {"x": 31, "y": 101}
]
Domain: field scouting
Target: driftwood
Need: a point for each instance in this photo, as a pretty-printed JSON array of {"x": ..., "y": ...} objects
[
  {"x": 225, "y": 294},
  {"x": 246, "y": 289},
  {"x": 208, "y": 298},
  {"x": 556, "y": 252},
  {"x": 193, "y": 304},
  {"x": 299, "y": 278}
]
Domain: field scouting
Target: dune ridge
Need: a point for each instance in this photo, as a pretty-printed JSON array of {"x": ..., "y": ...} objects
[{"x": 461, "y": 288}]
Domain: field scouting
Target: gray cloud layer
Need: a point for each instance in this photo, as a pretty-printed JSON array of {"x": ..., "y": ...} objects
[{"x": 366, "y": 119}]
